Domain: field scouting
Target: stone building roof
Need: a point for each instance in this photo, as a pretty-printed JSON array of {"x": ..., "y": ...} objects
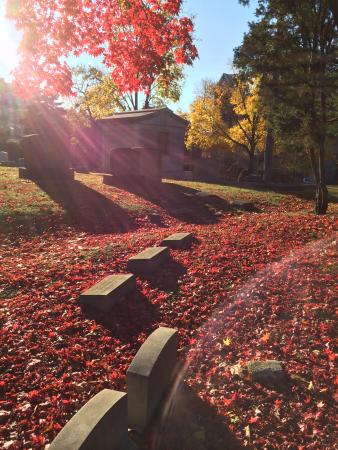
[{"x": 142, "y": 114}]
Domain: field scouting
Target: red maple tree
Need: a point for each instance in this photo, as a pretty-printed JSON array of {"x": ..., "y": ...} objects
[{"x": 134, "y": 38}]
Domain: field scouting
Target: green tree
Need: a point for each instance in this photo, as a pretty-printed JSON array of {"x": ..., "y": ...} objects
[
  {"x": 292, "y": 47},
  {"x": 97, "y": 96}
]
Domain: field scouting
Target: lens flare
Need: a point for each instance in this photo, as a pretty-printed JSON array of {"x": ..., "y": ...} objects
[{"x": 205, "y": 367}]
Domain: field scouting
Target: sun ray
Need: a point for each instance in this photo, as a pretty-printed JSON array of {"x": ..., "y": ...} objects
[{"x": 9, "y": 41}]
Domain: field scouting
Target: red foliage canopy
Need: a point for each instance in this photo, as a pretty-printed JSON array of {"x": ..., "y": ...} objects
[{"x": 134, "y": 38}]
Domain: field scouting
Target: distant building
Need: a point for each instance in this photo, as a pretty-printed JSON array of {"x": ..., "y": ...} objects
[{"x": 156, "y": 129}]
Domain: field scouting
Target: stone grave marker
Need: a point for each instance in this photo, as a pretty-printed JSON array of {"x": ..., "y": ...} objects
[
  {"x": 101, "y": 424},
  {"x": 3, "y": 157},
  {"x": 107, "y": 292},
  {"x": 148, "y": 260},
  {"x": 150, "y": 375},
  {"x": 268, "y": 372},
  {"x": 178, "y": 240},
  {"x": 44, "y": 159}
]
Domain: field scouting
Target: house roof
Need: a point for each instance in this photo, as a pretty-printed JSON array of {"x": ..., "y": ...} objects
[{"x": 141, "y": 114}]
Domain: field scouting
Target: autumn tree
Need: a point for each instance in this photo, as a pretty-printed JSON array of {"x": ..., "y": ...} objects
[
  {"x": 134, "y": 39},
  {"x": 228, "y": 115},
  {"x": 97, "y": 95},
  {"x": 292, "y": 46}
]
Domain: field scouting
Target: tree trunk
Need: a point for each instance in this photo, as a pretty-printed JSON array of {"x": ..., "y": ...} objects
[
  {"x": 251, "y": 166},
  {"x": 322, "y": 195},
  {"x": 136, "y": 101},
  {"x": 147, "y": 102},
  {"x": 269, "y": 143}
]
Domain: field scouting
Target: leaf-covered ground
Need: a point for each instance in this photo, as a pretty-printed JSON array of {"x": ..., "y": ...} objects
[{"x": 255, "y": 285}]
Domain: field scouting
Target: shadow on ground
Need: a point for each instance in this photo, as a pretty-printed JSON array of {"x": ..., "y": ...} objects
[
  {"x": 128, "y": 318},
  {"x": 181, "y": 202},
  {"x": 302, "y": 191},
  {"x": 86, "y": 208},
  {"x": 186, "y": 422},
  {"x": 166, "y": 278}
]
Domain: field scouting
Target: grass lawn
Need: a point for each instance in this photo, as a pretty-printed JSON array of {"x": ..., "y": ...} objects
[{"x": 257, "y": 284}]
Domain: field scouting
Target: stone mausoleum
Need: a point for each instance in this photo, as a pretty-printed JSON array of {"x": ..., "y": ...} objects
[{"x": 141, "y": 133}]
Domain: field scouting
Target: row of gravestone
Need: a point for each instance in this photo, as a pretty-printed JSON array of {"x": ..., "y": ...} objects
[
  {"x": 102, "y": 423},
  {"x": 6, "y": 162},
  {"x": 104, "y": 294}
]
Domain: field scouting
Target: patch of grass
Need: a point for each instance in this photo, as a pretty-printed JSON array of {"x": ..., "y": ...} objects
[
  {"x": 261, "y": 195},
  {"x": 24, "y": 204},
  {"x": 234, "y": 192}
]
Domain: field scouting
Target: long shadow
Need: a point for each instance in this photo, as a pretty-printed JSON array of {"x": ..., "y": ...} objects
[
  {"x": 186, "y": 422},
  {"x": 166, "y": 278},
  {"x": 128, "y": 318},
  {"x": 179, "y": 201},
  {"x": 86, "y": 208},
  {"x": 302, "y": 191}
]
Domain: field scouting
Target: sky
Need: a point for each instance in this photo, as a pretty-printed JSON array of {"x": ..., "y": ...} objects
[{"x": 219, "y": 28}]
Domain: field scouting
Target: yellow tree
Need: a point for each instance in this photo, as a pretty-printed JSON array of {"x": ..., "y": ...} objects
[
  {"x": 228, "y": 115},
  {"x": 249, "y": 127}
]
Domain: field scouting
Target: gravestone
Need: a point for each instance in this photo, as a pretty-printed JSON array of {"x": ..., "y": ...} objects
[
  {"x": 21, "y": 162},
  {"x": 14, "y": 150},
  {"x": 189, "y": 175},
  {"x": 3, "y": 157},
  {"x": 44, "y": 159},
  {"x": 150, "y": 375},
  {"x": 101, "y": 424},
  {"x": 46, "y": 150},
  {"x": 149, "y": 260},
  {"x": 106, "y": 293},
  {"x": 178, "y": 240},
  {"x": 136, "y": 166},
  {"x": 268, "y": 372},
  {"x": 150, "y": 164}
]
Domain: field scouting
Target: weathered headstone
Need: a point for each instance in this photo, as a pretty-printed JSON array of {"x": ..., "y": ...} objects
[
  {"x": 269, "y": 372},
  {"x": 138, "y": 165},
  {"x": 21, "y": 162},
  {"x": 150, "y": 163},
  {"x": 188, "y": 175},
  {"x": 44, "y": 159},
  {"x": 46, "y": 149},
  {"x": 101, "y": 424},
  {"x": 150, "y": 374},
  {"x": 3, "y": 157},
  {"x": 106, "y": 293},
  {"x": 178, "y": 240},
  {"x": 148, "y": 260}
]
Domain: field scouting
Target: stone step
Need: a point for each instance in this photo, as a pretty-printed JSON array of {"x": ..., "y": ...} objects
[
  {"x": 107, "y": 292},
  {"x": 149, "y": 260},
  {"x": 178, "y": 240}
]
